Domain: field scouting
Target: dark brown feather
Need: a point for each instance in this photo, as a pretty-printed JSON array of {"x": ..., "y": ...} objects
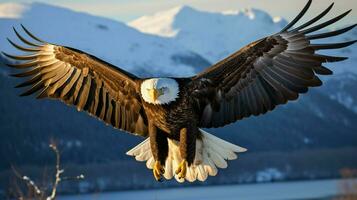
[
  {"x": 330, "y": 34},
  {"x": 312, "y": 21},
  {"x": 21, "y": 47},
  {"x": 327, "y": 23}
]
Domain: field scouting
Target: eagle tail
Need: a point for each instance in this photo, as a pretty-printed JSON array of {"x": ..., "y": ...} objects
[{"x": 211, "y": 153}]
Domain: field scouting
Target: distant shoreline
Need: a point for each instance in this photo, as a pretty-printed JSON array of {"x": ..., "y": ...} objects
[{"x": 267, "y": 191}]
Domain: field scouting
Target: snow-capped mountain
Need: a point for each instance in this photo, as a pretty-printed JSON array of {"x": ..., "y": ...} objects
[
  {"x": 216, "y": 35},
  {"x": 110, "y": 40},
  {"x": 213, "y": 35}
]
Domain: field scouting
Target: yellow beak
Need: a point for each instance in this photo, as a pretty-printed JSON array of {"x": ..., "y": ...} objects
[{"x": 154, "y": 94}]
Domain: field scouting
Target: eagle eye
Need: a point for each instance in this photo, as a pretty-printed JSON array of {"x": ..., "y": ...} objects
[{"x": 164, "y": 89}]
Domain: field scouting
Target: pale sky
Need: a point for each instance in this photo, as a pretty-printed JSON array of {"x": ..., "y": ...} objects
[{"x": 126, "y": 10}]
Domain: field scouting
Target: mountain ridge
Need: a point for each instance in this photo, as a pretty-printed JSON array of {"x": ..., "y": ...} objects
[{"x": 158, "y": 23}]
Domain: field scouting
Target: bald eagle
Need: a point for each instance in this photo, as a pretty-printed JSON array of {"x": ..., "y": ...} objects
[{"x": 171, "y": 112}]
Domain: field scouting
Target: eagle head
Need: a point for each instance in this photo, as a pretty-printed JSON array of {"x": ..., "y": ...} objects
[{"x": 159, "y": 90}]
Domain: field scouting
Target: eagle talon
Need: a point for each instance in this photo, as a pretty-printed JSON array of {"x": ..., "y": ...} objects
[
  {"x": 158, "y": 170},
  {"x": 182, "y": 169}
]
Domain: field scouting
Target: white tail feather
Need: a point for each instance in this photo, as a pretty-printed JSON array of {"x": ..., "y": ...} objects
[{"x": 211, "y": 153}]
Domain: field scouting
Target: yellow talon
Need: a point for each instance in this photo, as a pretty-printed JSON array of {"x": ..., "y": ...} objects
[
  {"x": 182, "y": 169},
  {"x": 158, "y": 170}
]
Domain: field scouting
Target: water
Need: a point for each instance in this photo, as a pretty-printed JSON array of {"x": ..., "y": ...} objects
[{"x": 269, "y": 191}]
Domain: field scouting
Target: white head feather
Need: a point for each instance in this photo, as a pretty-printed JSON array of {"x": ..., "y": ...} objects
[{"x": 169, "y": 87}]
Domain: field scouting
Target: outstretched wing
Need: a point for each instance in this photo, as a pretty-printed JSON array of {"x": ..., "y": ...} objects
[
  {"x": 265, "y": 73},
  {"x": 81, "y": 80}
]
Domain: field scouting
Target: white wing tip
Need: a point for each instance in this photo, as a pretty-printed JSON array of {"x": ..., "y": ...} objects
[
  {"x": 130, "y": 153},
  {"x": 242, "y": 150}
]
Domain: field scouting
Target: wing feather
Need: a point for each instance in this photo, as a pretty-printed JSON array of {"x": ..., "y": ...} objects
[
  {"x": 81, "y": 80},
  {"x": 266, "y": 73}
]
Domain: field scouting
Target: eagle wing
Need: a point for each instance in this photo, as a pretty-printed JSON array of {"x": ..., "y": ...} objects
[
  {"x": 265, "y": 73},
  {"x": 81, "y": 80}
]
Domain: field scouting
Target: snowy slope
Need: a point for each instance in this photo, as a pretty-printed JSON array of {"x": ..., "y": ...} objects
[
  {"x": 342, "y": 88},
  {"x": 216, "y": 35},
  {"x": 213, "y": 35},
  {"x": 110, "y": 40}
]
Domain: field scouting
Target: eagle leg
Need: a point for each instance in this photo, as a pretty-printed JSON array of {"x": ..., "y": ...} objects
[
  {"x": 159, "y": 149},
  {"x": 158, "y": 170},
  {"x": 187, "y": 150},
  {"x": 182, "y": 169}
]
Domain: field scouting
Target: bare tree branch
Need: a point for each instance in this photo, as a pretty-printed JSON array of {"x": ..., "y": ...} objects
[
  {"x": 28, "y": 181},
  {"x": 40, "y": 193},
  {"x": 59, "y": 171}
]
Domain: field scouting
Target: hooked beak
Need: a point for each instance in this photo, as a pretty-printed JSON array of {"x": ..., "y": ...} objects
[{"x": 154, "y": 94}]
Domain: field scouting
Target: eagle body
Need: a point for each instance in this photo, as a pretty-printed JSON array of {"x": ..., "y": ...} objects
[
  {"x": 175, "y": 120},
  {"x": 173, "y": 116},
  {"x": 170, "y": 112}
]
